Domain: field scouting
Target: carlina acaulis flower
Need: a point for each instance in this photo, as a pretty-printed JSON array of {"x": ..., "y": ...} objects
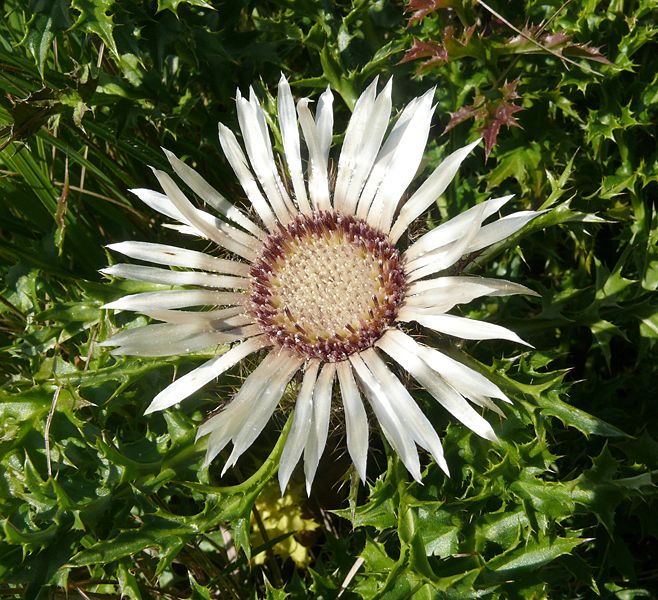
[{"x": 318, "y": 282}]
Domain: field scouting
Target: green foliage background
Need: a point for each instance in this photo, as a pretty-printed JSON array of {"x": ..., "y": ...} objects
[{"x": 98, "y": 501}]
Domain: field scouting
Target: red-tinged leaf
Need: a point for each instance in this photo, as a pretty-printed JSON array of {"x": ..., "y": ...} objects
[
  {"x": 508, "y": 90},
  {"x": 557, "y": 42},
  {"x": 554, "y": 40},
  {"x": 585, "y": 51},
  {"x": 465, "y": 38},
  {"x": 436, "y": 53},
  {"x": 465, "y": 113},
  {"x": 490, "y": 114},
  {"x": 562, "y": 43},
  {"x": 500, "y": 113},
  {"x": 422, "y": 8},
  {"x": 503, "y": 114}
]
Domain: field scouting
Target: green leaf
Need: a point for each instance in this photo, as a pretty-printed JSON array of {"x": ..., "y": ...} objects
[
  {"x": 649, "y": 326},
  {"x": 336, "y": 76},
  {"x": 95, "y": 17},
  {"x": 128, "y": 585},
  {"x": 173, "y": 5},
  {"x": 434, "y": 526},
  {"x": 577, "y": 418},
  {"x": 504, "y": 528},
  {"x": 408, "y": 577},
  {"x": 534, "y": 555},
  {"x": 380, "y": 510},
  {"x": 553, "y": 500},
  {"x": 602, "y": 125},
  {"x": 49, "y": 17},
  {"x": 272, "y": 593},
  {"x": 154, "y": 533}
]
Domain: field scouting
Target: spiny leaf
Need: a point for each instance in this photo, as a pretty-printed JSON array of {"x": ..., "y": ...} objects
[
  {"x": 491, "y": 114},
  {"x": 577, "y": 418},
  {"x": 503, "y": 114},
  {"x": 95, "y": 17},
  {"x": 128, "y": 585},
  {"x": 557, "y": 41},
  {"x": 273, "y": 593},
  {"x": 422, "y": 8},
  {"x": 49, "y": 17},
  {"x": 450, "y": 46},
  {"x": 29, "y": 115},
  {"x": 436, "y": 53},
  {"x": 173, "y": 5},
  {"x": 533, "y": 555}
]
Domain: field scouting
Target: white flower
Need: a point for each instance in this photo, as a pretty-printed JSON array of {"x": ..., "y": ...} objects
[{"x": 318, "y": 284}]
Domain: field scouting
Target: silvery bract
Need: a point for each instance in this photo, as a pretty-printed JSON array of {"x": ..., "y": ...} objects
[{"x": 317, "y": 283}]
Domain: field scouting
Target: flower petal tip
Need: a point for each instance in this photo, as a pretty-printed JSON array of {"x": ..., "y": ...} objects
[
  {"x": 153, "y": 407},
  {"x": 168, "y": 153},
  {"x": 443, "y": 465},
  {"x": 229, "y": 463},
  {"x": 283, "y": 484}
]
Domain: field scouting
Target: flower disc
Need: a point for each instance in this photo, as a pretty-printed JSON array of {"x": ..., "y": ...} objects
[{"x": 326, "y": 285}]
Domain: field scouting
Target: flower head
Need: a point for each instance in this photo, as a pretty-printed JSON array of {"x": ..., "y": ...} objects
[{"x": 318, "y": 283}]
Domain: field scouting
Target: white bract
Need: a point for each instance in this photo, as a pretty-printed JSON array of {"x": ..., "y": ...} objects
[{"x": 312, "y": 278}]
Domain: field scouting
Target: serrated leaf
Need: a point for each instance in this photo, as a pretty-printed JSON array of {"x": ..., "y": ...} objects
[
  {"x": 95, "y": 17},
  {"x": 553, "y": 500},
  {"x": 577, "y": 418},
  {"x": 435, "y": 52},
  {"x": 434, "y": 526},
  {"x": 49, "y": 17},
  {"x": 395, "y": 579},
  {"x": 173, "y": 5},
  {"x": 504, "y": 528},
  {"x": 649, "y": 326},
  {"x": 500, "y": 113},
  {"x": 28, "y": 539},
  {"x": 559, "y": 42},
  {"x": 380, "y": 510},
  {"x": 423, "y": 8},
  {"x": 602, "y": 125},
  {"x": 604, "y": 331},
  {"x": 128, "y": 585},
  {"x": 534, "y": 555},
  {"x": 272, "y": 593},
  {"x": 490, "y": 114},
  {"x": 519, "y": 163},
  {"x": 154, "y": 533},
  {"x": 199, "y": 592}
]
